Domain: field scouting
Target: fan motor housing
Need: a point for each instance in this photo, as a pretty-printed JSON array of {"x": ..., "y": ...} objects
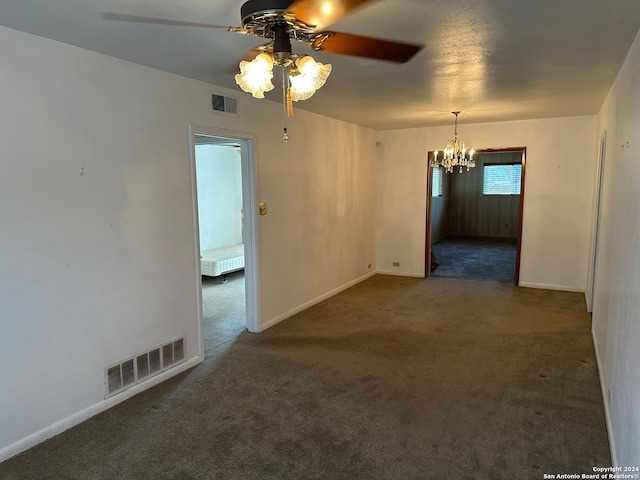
[{"x": 253, "y": 10}]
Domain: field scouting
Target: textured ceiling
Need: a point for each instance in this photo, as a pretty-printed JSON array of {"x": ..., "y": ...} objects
[{"x": 493, "y": 60}]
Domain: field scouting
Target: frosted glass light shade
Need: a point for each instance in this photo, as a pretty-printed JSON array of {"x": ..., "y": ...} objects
[
  {"x": 310, "y": 77},
  {"x": 255, "y": 76}
]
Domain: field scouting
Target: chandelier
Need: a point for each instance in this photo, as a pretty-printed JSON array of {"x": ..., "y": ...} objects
[{"x": 455, "y": 154}]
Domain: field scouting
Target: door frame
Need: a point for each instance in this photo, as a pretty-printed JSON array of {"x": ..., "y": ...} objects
[
  {"x": 427, "y": 257},
  {"x": 591, "y": 281},
  {"x": 249, "y": 162}
]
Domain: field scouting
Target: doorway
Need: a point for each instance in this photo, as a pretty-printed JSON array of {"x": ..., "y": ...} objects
[
  {"x": 474, "y": 219},
  {"x": 223, "y": 190}
]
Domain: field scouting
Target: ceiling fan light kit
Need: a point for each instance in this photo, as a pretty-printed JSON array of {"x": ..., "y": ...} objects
[
  {"x": 255, "y": 76},
  {"x": 283, "y": 20},
  {"x": 307, "y": 77},
  {"x": 280, "y": 21}
]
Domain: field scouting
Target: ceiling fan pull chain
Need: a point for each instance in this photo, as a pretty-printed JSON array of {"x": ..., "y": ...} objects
[
  {"x": 285, "y": 107},
  {"x": 286, "y": 81},
  {"x": 289, "y": 103}
]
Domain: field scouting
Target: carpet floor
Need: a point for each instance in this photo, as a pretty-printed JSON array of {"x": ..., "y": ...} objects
[
  {"x": 476, "y": 259},
  {"x": 394, "y": 378},
  {"x": 223, "y": 308}
]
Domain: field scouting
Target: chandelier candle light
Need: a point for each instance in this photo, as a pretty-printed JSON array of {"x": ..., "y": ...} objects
[{"x": 454, "y": 154}]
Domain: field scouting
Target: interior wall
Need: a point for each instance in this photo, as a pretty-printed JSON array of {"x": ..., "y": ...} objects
[
  {"x": 560, "y": 169},
  {"x": 98, "y": 221},
  {"x": 219, "y": 177},
  {"x": 473, "y": 214},
  {"x": 616, "y": 303},
  {"x": 402, "y": 194}
]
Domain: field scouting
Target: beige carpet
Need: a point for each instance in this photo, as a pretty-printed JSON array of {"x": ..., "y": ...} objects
[{"x": 395, "y": 378}]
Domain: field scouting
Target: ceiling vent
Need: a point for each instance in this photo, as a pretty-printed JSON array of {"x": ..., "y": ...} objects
[
  {"x": 129, "y": 372},
  {"x": 223, "y": 104}
]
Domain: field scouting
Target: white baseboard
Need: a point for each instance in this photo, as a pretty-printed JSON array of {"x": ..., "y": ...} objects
[
  {"x": 400, "y": 274},
  {"x": 550, "y": 286},
  {"x": 588, "y": 300},
  {"x": 310, "y": 303},
  {"x": 79, "y": 417},
  {"x": 605, "y": 401}
]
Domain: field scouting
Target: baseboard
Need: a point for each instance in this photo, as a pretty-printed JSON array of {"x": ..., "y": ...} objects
[
  {"x": 310, "y": 303},
  {"x": 79, "y": 417},
  {"x": 400, "y": 274},
  {"x": 588, "y": 300},
  {"x": 550, "y": 286},
  {"x": 605, "y": 401}
]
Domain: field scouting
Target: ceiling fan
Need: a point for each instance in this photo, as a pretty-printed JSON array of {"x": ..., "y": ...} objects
[
  {"x": 281, "y": 21},
  {"x": 301, "y": 20}
]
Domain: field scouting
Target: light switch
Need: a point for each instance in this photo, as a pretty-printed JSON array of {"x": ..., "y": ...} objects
[{"x": 263, "y": 208}]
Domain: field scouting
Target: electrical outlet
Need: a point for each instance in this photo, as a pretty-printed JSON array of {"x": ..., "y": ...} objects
[
  {"x": 396, "y": 264},
  {"x": 369, "y": 266}
]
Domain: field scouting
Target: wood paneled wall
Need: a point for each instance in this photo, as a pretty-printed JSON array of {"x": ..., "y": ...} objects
[
  {"x": 439, "y": 217},
  {"x": 471, "y": 213}
]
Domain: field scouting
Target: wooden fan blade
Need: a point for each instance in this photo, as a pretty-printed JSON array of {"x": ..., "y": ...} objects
[
  {"x": 163, "y": 21},
  {"x": 321, "y": 13},
  {"x": 358, "y": 46}
]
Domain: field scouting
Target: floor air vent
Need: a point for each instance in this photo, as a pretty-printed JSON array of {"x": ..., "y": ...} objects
[{"x": 134, "y": 370}]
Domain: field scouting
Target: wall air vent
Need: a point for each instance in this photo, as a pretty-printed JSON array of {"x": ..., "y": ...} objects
[
  {"x": 223, "y": 104},
  {"x": 122, "y": 375}
]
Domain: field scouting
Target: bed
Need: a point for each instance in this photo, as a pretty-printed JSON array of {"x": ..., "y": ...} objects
[{"x": 221, "y": 261}]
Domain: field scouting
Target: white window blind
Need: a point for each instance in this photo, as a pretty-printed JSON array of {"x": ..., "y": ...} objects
[
  {"x": 436, "y": 182},
  {"x": 502, "y": 179}
]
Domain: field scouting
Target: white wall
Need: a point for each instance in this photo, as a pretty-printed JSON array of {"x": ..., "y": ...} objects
[
  {"x": 97, "y": 252},
  {"x": 219, "y": 178},
  {"x": 559, "y": 178},
  {"x": 616, "y": 309},
  {"x": 402, "y": 193}
]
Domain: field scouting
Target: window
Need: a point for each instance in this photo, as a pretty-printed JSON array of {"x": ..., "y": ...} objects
[
  {"x": 501, "y": 179},
  {"x": 436, "y": 182}
]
